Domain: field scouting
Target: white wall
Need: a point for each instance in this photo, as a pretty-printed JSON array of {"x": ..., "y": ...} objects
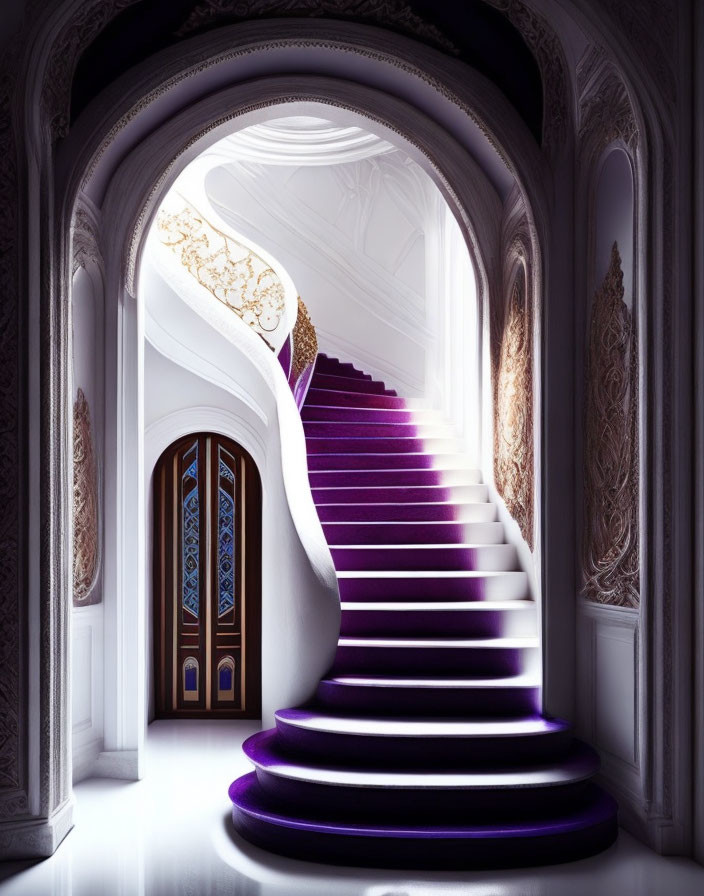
[
  {"x": 207, "y": 370},
  {"x": 368, "y": 244},
  {"x": 87, "y": 622}
]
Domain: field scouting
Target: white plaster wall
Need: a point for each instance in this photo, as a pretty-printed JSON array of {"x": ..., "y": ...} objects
[
  {"x": 354, "y": 238},
  {"x": 87, "y": 659},
  {"x": 205, "y": 369}
]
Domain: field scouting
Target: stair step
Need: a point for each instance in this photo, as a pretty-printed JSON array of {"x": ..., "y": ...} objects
[
  {"x": 326, "y": 364},
  {"x": 429, "y": 511},
  {"x": 477, "y": 619},
  {"x": 392, "y": 478},
  {"x": 337, "y": 398},
  {"x": 399, "y": 445},
  {"x": 393, "y": 695},
  {"x": 333, "y": 367},
  {"x": 356, "y": 384},
  {"x": 487, "y": 558},
  {"x": 436, "y": 656},
  {"x": 437, "y": 532},
  {"x": 321, "y": 413},
  {"x": 420, "y": 741},
  {"x": 365, "y": 429},
  {"x": 433, "y": 791},
  {"x": 424, "y": 746},
  {"x": 443, "y": 585},
  {"x": 586, "y": 827},
  {"x": 401, "y": 494}
]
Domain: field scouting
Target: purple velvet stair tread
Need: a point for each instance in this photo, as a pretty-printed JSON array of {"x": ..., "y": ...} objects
[
  {"x": 423, "y": 746},
  {"x": 244, "y": 793}
]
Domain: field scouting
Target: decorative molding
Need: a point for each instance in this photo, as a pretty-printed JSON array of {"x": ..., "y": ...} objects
[
  {"x": 305, "y": 342},
  {"x": 331, "y": 41},
  {"x": 79, "y": 30},
  {"x": 13, "y": 597},
  {"x": 390, "y": 13},
  {"x": 512, "y": 321},
  {"x": 513, "y": 408},
  {"x": 611, "y": 556},
  {"x": 301, "y": 141},
  {"x": 547, "y": 50},
  {"x": 36, "y": 838},
  {"x": 85, "y": 231},
  {"x": 86, "y": 522},
  {"x": 650, "y": 26},
  {"x": 121, "y": 764},
  {"x": 605, "y": 109}
]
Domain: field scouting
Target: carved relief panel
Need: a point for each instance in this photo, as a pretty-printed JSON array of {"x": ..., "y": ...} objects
[
  {"x": 512, "y": 352},
  {"x": 610, "y": 550},
  {"x": 609, "y": 141},
  {"x": 86, "y": 554}
]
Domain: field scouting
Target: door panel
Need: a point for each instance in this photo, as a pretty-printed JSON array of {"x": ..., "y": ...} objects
[{"x": 207, "y": 580}]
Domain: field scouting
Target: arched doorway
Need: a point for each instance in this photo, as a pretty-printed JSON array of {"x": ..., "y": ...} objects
[{"x": 207, "y": 580}]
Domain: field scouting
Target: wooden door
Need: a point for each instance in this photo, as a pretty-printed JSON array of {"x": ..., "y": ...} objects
[{"x": 207, "y": 580}]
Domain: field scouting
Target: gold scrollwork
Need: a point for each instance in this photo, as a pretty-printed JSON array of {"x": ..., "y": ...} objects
[
  {"x": 231, "y": 272},
  {"x": 305, "y": 341},
  {"x": 513, "y": 416},
  {"x": 85, "y": 507}
]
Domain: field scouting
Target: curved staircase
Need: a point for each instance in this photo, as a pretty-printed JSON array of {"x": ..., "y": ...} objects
[{"x": 424, "y": 746}]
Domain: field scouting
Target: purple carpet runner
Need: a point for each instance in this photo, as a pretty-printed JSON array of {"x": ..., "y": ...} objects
[{"x": 424, "y": 745}]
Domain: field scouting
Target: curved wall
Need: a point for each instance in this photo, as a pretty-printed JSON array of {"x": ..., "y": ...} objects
[{"x": 206, "y": 370}]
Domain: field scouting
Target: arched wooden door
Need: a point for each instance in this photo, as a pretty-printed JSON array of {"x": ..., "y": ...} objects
[{"x": 207, "y": 580}]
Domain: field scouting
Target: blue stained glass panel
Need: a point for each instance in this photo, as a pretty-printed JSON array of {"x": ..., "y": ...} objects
[
  {"x": 225, "y": 683},
  {"x": 191, "y": 535},
  {"x": 191, "y": 678},
  {"x": 226, "y": 539}
]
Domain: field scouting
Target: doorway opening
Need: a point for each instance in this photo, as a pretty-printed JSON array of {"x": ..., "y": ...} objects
[{"x": 207, "y": 580}]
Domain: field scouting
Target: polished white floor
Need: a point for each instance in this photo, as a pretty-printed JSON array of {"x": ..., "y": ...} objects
[{"x": 170, "y": 834}]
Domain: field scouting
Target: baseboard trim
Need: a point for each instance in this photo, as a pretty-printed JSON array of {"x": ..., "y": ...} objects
[
  {"x": 121, "y": 764},
  {"x": 36, "y": 838}
]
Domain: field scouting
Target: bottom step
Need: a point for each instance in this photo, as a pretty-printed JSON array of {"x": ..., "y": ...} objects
[{"x": 589, "y": 827}]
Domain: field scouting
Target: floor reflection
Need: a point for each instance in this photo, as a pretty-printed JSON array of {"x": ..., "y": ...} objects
[{"x": 171, "y": 834}]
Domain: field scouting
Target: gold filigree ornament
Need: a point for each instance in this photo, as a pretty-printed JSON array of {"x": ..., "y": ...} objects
[
  {"x": 611, "y": 555},
  {"x": 232, "y": 273},
  {"x": 305, "y": 341},
  {"x": 513, "y": 418},
  {"x": 86, "y": 559}
]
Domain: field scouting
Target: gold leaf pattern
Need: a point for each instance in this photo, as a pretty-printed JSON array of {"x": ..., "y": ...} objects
[
  {"x": 85, "y": 507},
  {"x": 231, "y": 272},
  {"x": 513, "y": 417},
  {"x": 305, "y": 341}
]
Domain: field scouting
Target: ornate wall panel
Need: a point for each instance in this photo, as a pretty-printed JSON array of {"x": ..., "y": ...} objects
[
  {"x": 305, "y": 342},
  {"x": 611, "y": 482},
  {"x": 86, "y": 533},
  {"x": 605, "y": 109},
  {"x": 395, "y": 13},
  {"x": 610, "y": 540},
  {"x": 513, "y": 404}
]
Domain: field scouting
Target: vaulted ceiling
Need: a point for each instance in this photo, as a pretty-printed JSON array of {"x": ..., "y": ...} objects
[{"x": 472, "y": 31}]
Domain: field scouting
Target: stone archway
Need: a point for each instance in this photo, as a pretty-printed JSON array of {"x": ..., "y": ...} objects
[
  {"x": 53, "y": 698},
  {"x": 149, "y": 165}
]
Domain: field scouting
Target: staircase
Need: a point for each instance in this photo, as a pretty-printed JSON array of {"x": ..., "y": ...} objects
[{"x": 424, "y": 745}]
